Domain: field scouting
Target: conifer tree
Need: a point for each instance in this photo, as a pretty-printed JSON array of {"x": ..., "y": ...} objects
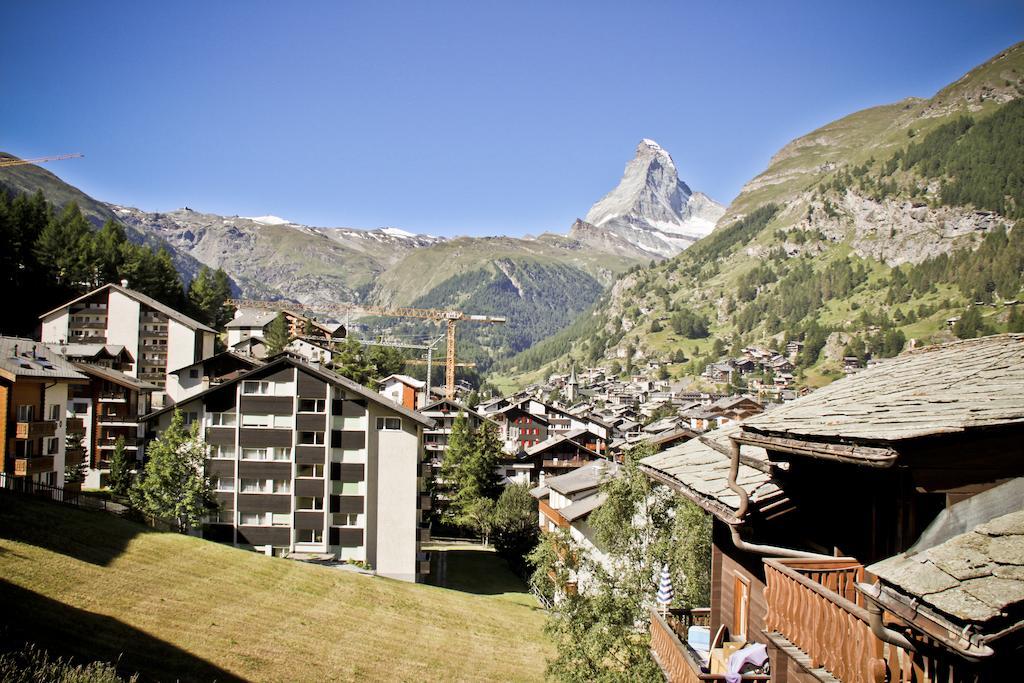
[
  {"x": 277, "y": 336},
  {"x": 206, "y": 296},
  {"x": 120, "y": 469}
]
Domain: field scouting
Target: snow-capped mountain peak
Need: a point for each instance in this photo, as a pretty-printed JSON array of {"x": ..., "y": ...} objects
[{"x": 651, "y": 209}]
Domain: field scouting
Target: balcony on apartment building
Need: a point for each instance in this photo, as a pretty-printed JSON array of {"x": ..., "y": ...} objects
[
  {"x": 816, "y": 616},
  {"x": 109, "y": 442},
  {"x": 118, "y": 420},
  {"x": 74, "y": 425},
  {"x": 113, "y": 397},
  {"x": 34, "y": 429},
  {"x": 680, "y": 661},
  {"x": 26, "y": 467}
]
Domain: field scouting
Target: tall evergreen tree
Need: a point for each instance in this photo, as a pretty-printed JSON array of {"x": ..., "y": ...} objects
[
  {"x": 207, "y": 294},
  {"x": 120, "y": 469},
  {"x": 64, "y": 247},
  {"x": 277, "y": 336}
]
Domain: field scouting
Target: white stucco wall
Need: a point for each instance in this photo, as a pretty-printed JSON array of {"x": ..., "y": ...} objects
[
  {"x": 180, "y": 385},
  {"x": 181, "y": 346},
  {"x": 57, "y": 395},
  {"x": 123, "y": 326},
  {"x": 55, "y": 327},
  {"x": 394, "y": 487}
]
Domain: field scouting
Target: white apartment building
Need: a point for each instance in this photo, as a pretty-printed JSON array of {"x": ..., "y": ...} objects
[{"x": 158, "y": 338}]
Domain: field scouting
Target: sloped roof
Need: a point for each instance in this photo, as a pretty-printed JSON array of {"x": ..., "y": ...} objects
[
  {"x": 116, "y": 376},
  {"x": 941, "y": 389},
  {"x": 141, "y": 298},
  {"x": 317, "y": 371},
  {"x": 404, "y": 379},
  {"x": 42, "y": 363},
  {"x": 975, "y": 577},
  {"x": 589, "y": 476},
  {"x": 89, "y": 350},
  {"x": 699, "y": 469},
  {"x": 552, "y": 441},
  {"x": 251, "y": 317},
  {"x": 583, "y": 507}
]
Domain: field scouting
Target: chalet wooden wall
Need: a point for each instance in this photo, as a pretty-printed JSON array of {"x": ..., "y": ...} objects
[{"x": 726, "y": 563}]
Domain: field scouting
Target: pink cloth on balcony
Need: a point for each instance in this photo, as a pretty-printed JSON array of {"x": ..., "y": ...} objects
[{"x": 756, "y": 654}]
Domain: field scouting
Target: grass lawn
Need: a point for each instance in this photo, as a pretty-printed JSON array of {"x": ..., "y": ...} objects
[
  {"x": 178, "y": 608},
  {"x": 471, "y": 568}
]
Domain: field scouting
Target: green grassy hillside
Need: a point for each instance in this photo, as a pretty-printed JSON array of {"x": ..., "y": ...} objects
[
  {"x": 859, "y": 237},
  {"x": 173, "y": 607}
]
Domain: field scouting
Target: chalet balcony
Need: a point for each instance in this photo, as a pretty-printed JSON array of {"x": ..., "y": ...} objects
[
  {"x": 553, "y": 515},
  {"x": 424, "y": 502},
  {"x": 87, "y": 325},
  {"x": 423, "y": 534},
  {"x": 816, "y": 616},
  {"x": 565, "y": 463},
  {"x": 130, "y": 442},
  {"x": 680, "y": 662},
  {"x": 35, "y": 429},
  {"x": 26, "y": 467},
  {"x": 74, "y": 456},
  {"x": 113, "y": 397},
  {"x": 426, "y": 470},
  {"x": 125, "y": 420},
  {"x": 74, "y": 424}
]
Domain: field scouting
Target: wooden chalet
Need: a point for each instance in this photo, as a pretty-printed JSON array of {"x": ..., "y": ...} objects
[{"x": 818, "y": 509}]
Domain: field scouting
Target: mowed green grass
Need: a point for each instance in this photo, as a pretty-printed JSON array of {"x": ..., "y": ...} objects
[{"x": 178, "y": 608}]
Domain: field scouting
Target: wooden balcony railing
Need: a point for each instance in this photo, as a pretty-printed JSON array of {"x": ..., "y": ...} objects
[
  {"x": 26, "y": 467},
  {"x": 35, "y": 429},
  {"x": 74, "y": 425},
  {"x": 815, "y": 605},
  {"x": 677, "y": 660},
  {"x": 554, "y": 515}
]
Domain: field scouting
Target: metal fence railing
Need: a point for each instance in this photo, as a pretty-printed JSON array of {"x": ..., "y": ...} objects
[{"x": 81, "y": 499}]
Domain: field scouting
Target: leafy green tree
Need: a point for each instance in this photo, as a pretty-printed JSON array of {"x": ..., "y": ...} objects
[
  {"x": 120, "y": 469},
  {"x": 515, "y": 525},
  {"x": 207, "y": 294},
  {"x": 174, "y": 484},
  {"x": 277, "y": 336},
  {"x": 601, "y": 632},
  {"x": 478, "y": 515}
]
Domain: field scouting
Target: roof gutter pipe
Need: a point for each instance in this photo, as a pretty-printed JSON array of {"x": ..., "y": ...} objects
[{"x": 741, "y": 512}]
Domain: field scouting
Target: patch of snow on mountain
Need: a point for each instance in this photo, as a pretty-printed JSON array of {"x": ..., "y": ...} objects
[
  {"x": 397, "y": 232},
  {"x": 268, "y": 220}
]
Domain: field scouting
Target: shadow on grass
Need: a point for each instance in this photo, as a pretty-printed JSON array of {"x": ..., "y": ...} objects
[
  {"x": 90, "y": 536},
  {"x": 71, "y": 632},
  {"x": 478, "y": 572}
]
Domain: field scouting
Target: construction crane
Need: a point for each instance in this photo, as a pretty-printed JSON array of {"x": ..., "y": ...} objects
[
  {"x": 450, "y": 318},
  {"x": 4, "y": 163}
]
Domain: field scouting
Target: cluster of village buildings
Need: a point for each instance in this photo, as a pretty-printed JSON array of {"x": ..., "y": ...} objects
[{"x": 888, "y": 502}]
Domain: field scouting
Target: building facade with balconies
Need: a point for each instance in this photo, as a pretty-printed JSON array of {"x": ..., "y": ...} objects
[
  {"x": 864, "y": 532},
  {"x": 308, "y": 463},
  {"x": 34, "y": 384},
  {"x": 157, "y": 338}
]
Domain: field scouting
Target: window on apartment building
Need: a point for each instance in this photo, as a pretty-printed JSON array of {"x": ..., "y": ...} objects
[
  {"x": 56, "y": 412},
  {"x": 26, "y": 413},
  {"x": 222, "y": 419},
  {"x": 257, "y": 420},
  {"x": 281, "y": 486},
  {"x": 309, "y": 471},
  {"x": 225, "y": 484},
  {"x": 255, "y": 454},
  {"x": 191, "y": 416},
  {"x": 220, "y": 517},
  {"x": 309, "y": 535},
  {"x": 221, "y": 452},
  {"x": 264, "y": 519},
  {"x": 350, "y": 488},
  {"x": 389, "y": 424},
  {"x": 255, "y": 388},
  {"x": 346, "y": 519},
  {"x": 312, "y": 405},
  {"x": 254, "y": 486},
  {"x": 193, "y": 373},
  {"x": 309, "y": 503},
  {"x": 50, "y": 445},
  {"x": 311, "y": 438}
]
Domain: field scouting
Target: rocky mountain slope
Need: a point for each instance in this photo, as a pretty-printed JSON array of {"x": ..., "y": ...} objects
[
  {"x": 651, "y": 212},
  {"x": 860, "y": 237}
]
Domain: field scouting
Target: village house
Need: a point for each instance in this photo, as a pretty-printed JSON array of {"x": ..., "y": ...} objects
[
  {"x": 253, "y": 323},
  {"x": 34, "y": 387},
  {"x": 157, "y": 338},
  {"x": 404, "y": 390},
  {"x": 199, "y": 376},
  {"x": 309, "y": 463},
  {"x": 832, "y": 544}
]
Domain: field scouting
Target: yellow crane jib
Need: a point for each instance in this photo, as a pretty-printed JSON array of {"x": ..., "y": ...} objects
[{"x": 450, "y": 318}]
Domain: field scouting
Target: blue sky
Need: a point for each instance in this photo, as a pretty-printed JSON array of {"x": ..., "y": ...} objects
[{"x": 452, "y": 117}]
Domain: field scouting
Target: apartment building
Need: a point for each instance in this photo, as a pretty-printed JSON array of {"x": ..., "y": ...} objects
[
  {"x": 34, "y": 384},
  {"x": 157, "y": 338},
  {"x": 110, "y": 406},
  {"x": 253, "y": 323},
  {"x": 307, "y": 462},
  {"x": 197, "y": 377}
]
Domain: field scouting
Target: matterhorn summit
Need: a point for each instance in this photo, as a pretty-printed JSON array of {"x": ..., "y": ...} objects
[{"x": 651, "y": 211}]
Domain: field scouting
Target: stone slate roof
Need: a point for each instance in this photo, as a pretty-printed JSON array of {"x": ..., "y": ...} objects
[
  {"x": 975, "y": 577},
  {"x": 116, "y": 376},
  {"x": 940, "y": 389},
  {"x": 699, "y": 469},
  {"x": 42, "y": 363},
  {"x": 250, "y": 317}
]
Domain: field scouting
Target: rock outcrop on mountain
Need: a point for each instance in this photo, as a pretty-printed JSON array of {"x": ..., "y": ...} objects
[{"x": 651, "y": 211}]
